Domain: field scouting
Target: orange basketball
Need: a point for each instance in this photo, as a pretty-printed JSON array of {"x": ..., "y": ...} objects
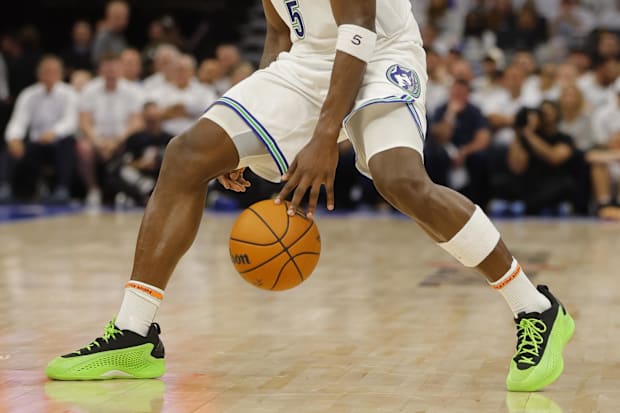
[{"x": 272, "y": 250}]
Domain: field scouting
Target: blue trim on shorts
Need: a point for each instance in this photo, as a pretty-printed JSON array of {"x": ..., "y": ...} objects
[
  {"x": 408, "y": 100},
  {"x": 416, "y": 119},
  {"x": 260, "y": 131}
]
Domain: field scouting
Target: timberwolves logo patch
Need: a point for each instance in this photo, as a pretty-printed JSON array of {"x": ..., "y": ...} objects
[{"x": 406, "y": 79}]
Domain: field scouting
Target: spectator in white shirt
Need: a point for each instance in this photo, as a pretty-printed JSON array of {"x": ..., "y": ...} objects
[
  {"x": 163, "y": 65},
  {"x": 502, "y": 104},
  {"x": 211, "y": 74},
  {"x": 605, "y": 160},
  {"x": 110, "y": 111},
  {"x": 576, "y": 121},
  {"x": 229, "y": 57},
  {"x": 438, "y": 81},
  {"x": 184, "y": 100},
  {"x": 132, "y": 66},
  {"x": 42, "y": 128},
  {"x": 542, "y": 87},
  {"x": 596, "y": 85}
]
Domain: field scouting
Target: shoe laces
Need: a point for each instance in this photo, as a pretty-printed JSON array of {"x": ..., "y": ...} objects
[
  {"x": 529, "y": 339},
  {"x": 109, "y": 333}
]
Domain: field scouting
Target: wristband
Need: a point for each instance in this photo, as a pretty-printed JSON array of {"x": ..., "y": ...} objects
[{"x": 356, "y": 41}]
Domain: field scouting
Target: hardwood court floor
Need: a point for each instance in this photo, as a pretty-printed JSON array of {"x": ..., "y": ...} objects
[{"x": 387, "y": 323}]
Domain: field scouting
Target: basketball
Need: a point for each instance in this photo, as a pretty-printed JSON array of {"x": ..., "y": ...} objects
[{"x": 272, "y": 250}]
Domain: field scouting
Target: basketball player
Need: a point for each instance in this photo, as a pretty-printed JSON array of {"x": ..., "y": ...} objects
[{"x": 331, "y": 69}]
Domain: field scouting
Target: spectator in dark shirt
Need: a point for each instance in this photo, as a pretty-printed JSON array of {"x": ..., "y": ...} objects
[
  {"x": 539, "y": 161},
  {"x": 110, "y": 37},
  {"x": 455, "y": 151},
  {"x": 79, "y": 55},
  {"x": 135, "y": 170}
]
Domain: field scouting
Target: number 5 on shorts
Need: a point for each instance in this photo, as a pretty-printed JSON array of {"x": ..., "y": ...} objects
[{"x": 296, "y": 21}]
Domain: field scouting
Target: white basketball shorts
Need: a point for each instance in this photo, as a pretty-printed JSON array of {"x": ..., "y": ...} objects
[{"x": 280, "y": 105}]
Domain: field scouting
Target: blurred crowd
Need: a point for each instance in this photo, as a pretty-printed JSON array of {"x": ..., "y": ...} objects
[
  {"x": 524, "y": 103},
  {"x": 523, "y": 108}
]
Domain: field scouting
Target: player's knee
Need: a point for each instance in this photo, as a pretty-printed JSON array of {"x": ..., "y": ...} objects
[
  {"x": 398, "y": 186},
  {"x": 181, "y": 161}
]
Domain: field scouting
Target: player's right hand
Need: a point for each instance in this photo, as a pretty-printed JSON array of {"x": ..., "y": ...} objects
[{"x": 234, "y": 181}]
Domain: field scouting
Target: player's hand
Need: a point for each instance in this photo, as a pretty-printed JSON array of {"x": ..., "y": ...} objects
[
  {"x": 234, "y": 181},
  {"x": 16, "y": 148},
  {"x": 313, "y": 167}
]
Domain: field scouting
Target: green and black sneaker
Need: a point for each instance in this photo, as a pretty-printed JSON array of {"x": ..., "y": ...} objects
[
  {"x": 117, "y": 354},
  {"x": 541, "y": 338}
]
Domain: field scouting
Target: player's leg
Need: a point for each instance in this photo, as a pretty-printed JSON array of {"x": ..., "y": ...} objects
[
  {"x": 131, "y": 346},
  {"x": 463, "y": 230}
]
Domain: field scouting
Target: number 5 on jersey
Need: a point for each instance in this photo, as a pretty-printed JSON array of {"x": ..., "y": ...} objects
[{"x": 296, "y": 21}]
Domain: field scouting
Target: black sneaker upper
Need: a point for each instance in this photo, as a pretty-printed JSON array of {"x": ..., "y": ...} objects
[
  {"x": 533, "y": 331},
  {"x": 122, "y": 339}
]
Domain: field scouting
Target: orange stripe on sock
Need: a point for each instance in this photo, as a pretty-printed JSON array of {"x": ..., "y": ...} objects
[
  {"x": 509, "y": 279},
  {"x": 147, "y": 290}
]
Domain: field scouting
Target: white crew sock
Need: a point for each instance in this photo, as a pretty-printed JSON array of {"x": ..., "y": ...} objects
[
  {"x": 139, "y": 307},
  {"x": 519, "y": 292}
]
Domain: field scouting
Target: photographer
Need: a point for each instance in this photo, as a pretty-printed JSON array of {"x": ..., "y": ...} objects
[{"x": 538, "y": 161}]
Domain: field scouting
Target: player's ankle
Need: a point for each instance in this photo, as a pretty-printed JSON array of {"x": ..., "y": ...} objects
[{"x": 139, "y": 306}]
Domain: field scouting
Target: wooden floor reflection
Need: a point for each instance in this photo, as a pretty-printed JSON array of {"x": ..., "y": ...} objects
[{"x": 388, "y": 322}]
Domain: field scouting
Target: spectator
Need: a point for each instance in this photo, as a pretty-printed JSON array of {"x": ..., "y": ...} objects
[
  {"x": 492, "y": 67},
  {"x": 455, "y": 153},
  {"x": 605, "y": 160},
  {"x": 501, "y": 105},
  {"x": 573, "y": 23},
  {"x": 608, "y": 45},
  {"x": 477, "y": 39},
  {"x": 183, "y": 100},
  {"x": 137, "y": 166},
  {"x": 538, "y": 160},
  {"x": 132, "y": 66},
  {"x": 79, "y": 79},
  {"x": 524, "y": 30},
  {"x": 211, "y": 74},
  {"x": 41, "y": 130},
  {"x": 597, "y": 85},
  {"x": 542, "y": 87},
  {"x": 110, "y": 37},
  {"x": 567, "y": 75},
  {"x": 576, "y": 121},
  {"x": 581, "y": 59},
  {"x": 242, "y": 71},
  {"x": 79, "y": 55},
  {"x": 105, "y": 130},
  {"x": 438, "y": 77},
  {"x": 165, "y": 57},
  {"x": 461, "y": 70},
  {"x": 229, "y": 57},
  {"x": 448, "y": 18}
]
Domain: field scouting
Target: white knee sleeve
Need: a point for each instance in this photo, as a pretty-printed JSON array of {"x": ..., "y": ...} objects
[{"x": 475, "y": 241}]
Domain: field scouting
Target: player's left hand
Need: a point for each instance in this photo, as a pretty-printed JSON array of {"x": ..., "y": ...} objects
[
  {"x": 234, "y": 181},
  {"x": 313, "y": 167}
]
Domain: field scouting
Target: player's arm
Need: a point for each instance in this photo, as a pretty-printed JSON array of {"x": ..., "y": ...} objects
[
  {"x": 278, "y": 37},
  {"x": 316, "y": 164}
]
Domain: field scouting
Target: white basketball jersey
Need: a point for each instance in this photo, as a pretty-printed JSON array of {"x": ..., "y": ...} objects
[{"x": 314, "y": 30}]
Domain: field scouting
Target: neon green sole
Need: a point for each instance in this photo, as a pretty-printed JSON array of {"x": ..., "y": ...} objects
[
  {"x": 127, "y": 363},
  {"x": 551, "y": 364}
]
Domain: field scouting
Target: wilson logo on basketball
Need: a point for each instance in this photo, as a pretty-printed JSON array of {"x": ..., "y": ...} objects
[{"x": 240, "y": 259}]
